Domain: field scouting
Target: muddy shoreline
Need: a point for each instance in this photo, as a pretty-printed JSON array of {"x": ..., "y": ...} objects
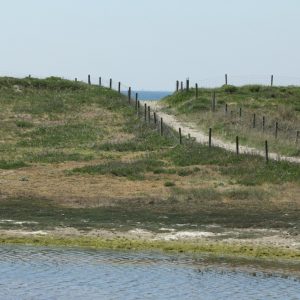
[{"x": 272, "y": 251}]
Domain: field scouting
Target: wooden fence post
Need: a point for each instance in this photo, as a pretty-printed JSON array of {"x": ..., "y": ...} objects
[
  {"x": 240, "y": 112},
  {"x": 267, "y": 151},
  {"x": 181, "y": 85},
  {"x": 161, "y": 127},
  {"x": 226, "y": 108},
  {"x": 226, "y": 79},
  {"x": 237, "y": 145},
  {"x": 209, "y": 137},
  {"x": 272, "y": 80},
  {"x": 100, "y": 81},
  {"x": 145, "y": 112},
  {"x": 136, "y": 100},
  {"x": 89, "y": 79},
  {"x": 214, "y": 101},
  {"x": 177, "y": 85},
  {"x": 138, "y": 108},
  {"x": 276, "y": 130},
  {"x": 254, "y": 121},
  {"x": 197, "y": 92},
  {"x": 154, "y": 117},
  {"x": 119, "y": 87},
  {"x": 180, "y": 137},
  {"x": 263, "y": 123},
  {"x": 110, "y": 83},
  {"x": 187, "y": 85},
  {"x": 129, "y": 94},
  {"x": 149, "y": 114}
]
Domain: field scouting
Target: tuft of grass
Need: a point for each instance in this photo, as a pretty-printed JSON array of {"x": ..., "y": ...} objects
[
  {"x": 169, "y": 183},
  {"x": 132, "y": 170},
  {"x": 9, "y": 165},
  {"x": 247, "y": 194},
  {"x": 195, "y": 195},
  {"x": 24, "y": 124},
  {"x": 55, "y": 157},
  {"x": 230, "y": 89}
]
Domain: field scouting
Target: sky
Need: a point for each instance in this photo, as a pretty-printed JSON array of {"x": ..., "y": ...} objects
[{"x": 149, "y": 44}]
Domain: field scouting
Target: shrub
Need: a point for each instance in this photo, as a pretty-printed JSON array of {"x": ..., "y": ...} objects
[
  {"x": 230, "y": 89},
  {"x": 24, "y": 124}
]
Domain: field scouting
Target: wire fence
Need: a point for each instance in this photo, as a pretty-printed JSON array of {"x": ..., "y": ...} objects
[
  {"x": 238, "y": 116},
  {"x": 244, "y": 118}
]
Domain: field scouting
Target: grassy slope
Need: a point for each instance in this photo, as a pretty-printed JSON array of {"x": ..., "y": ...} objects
[
  {"x": 276, "y": 104},
  {"x": 74, "y": 155}
]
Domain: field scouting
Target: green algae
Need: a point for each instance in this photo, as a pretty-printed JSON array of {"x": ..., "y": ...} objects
[{"x": 218, "y": 249}]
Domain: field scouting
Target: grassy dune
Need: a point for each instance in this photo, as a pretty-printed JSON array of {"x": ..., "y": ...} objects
[
  {"x": 73, "y": 155},
  {"x": 273, "y": 104}
]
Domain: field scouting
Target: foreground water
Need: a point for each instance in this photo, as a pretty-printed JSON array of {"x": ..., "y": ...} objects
[{"x": 46, "y": 273}]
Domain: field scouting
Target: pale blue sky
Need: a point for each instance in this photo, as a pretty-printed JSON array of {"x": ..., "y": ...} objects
[{"x": 151, "y": 43}]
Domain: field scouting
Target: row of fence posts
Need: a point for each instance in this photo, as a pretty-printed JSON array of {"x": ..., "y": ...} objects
[
  {"x": 147, "y": 110},
  {"x": 254, "y": 122},
  {"x": 180, "y": 85},
  {"x": 254, "y": 116},
  {"x": 237, "y": 147},
  {"x": 147, "y": 116},
  {"x": 100, "y": 83}
]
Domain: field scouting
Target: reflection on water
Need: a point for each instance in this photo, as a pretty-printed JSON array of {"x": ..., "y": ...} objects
[{"x": 46, "y": 273}]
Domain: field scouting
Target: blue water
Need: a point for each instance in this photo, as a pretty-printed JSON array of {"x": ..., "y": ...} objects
[
  {"x": 150, "y": 95},
  {"x": 49, "y": 273}
]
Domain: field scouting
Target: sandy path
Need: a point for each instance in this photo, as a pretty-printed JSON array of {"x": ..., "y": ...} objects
[{"x": 202, "y": 138}]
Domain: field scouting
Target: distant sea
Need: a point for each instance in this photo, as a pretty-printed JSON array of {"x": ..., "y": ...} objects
[{"x": 150, "y": 95}]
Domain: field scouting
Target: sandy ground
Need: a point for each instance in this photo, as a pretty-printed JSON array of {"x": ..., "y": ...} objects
[{"x": 201, "y": 137}]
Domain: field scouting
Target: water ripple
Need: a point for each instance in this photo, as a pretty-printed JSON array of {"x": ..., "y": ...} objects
[{"x": 47, "y": 273}]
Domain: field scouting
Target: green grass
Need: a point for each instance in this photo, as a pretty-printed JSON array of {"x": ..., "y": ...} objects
[
  {"x": 146, "y": 139},
  {"x": 9, "y": 165},
  {"x": 245, "y": 169},
  {"x": 261, "y": 96},
  {"x": 50, "y": 83},
  {"x": 61, "y": 136}
]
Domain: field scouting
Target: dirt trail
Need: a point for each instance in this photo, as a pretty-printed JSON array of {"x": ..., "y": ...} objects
[{"x": 202, "y": 138}]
